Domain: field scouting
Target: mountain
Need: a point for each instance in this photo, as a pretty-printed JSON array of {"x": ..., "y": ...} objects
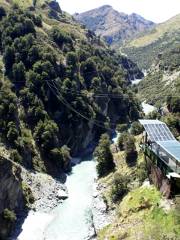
[
  {"x": 162, "y": 83},
  {"x": 114, "y": 26},
  {"x": 61, "y": 87},
  {"x": 161, "y": 38}
]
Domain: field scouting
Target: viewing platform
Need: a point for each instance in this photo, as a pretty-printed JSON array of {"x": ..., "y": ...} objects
[{"x": 160, "y": 144}]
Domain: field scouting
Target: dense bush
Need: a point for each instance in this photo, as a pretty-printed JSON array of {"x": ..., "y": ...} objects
[
  {"x": 122, "y": 127},
  {"x": 46, "y": 134},
  {"x": 61, "y": 156},
  {"x": 130, "y": 150},
  {"x": 119, "y": 187},
  {"x": 121, "y": 140},
  {"x": 136, "y": 128},
  {"x": 173, "y": 122},
  {"x": 61, "y": 37},
  {"x": 142, "y": 172},
  {"x": 126, "y": 142},
  {"x": 173, "y": 104},
  {"x": 56, "y": 84},
  {"x": 2, "y": 13},
  {"x": 15, "y": 156},
  {"x": 9, "y": 215},
  {"x": 104, "y": 157}
]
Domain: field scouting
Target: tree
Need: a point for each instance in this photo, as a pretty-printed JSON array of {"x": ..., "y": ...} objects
[
  {"x": 9, "y": 215},
  {"x": 19, "y": 72},
  {"x": 71, "y": 59},
  {"x": 9, "y": 57},
  {"x": 136, "y": 128},
  {"x": 88, "y": 71},
  {"x": 2, "y": 13},
  {"x": 61, "y": 156},
  {"x": 173, "y": 104},
  {"x": 15, "y": 156},
  {"x": 104, "y": 157},
  {"x": 130, "y": 150},
  {"x": 61, "y": 37},
  {"x": 122, "y": 127},
  {"x": 126, "y": 142},
  {"x": 65, "y": 151},
  {"x": 46, "y": 134},
  {"x": 12, "y": 133},
  {"x": 121, "y": 140},
  {"x": 119, "y": 187}
]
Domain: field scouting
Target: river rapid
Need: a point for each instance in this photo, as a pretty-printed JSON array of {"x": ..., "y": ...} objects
[{"x": 72, "y": 219}]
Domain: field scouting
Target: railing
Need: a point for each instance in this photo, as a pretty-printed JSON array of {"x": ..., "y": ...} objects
[{"x": 172, "y": 163}]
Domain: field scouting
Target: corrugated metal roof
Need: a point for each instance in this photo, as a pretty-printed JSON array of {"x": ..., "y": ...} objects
[
  {"x": 150, "y": 121},
  {"x": 157, "y": 130}
]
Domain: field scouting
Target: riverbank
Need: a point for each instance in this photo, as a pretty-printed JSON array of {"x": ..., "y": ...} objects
[
  {"x": 102, "y": 216},
  {"x": 48, "y": 193},
  {"x": 52, "y": 217}
]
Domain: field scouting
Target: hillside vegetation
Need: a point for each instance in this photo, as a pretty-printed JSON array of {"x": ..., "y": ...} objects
[
  {"x": 163, "y": 79},
  {"x": 59, "y": 85},
  {"x": 145, "y": 49}
]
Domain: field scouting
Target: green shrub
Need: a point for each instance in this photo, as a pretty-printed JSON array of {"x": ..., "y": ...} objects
[
  {"x": 61, "y": 37},
  {"x": 122, "y": 127},
  {"x": 29, "y": 198},
  {"x": 15, "y": 156},
  {"x": 136, "y": 128},
  {"x": 173, "y": 104},
  {"x": 104, "y": 157},
  {"x": 119, "y": 187},
  {"x": 121, "y": 140},
  {"x": 142, "y": 172},
  {"x": 9, "y": 215},
  {"x": 126, "y": 142},
  {"x": 2, "y": 13},
  {"x": 130, "y": 150}
]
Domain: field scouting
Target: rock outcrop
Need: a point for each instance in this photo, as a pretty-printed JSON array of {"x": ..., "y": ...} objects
[
  {"x": 55, "y": 6},
  {"x": 11, "y": 195}
]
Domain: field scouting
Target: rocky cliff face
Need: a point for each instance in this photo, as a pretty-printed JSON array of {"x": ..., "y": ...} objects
[
  {"x": 11, "y": 195},
  {"x": 114, "y": 26}
]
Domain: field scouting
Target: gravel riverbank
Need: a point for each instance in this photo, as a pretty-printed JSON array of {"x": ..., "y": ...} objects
[
  {"x": 47, "y": 191},
  {"x": 101, "y": 215}
]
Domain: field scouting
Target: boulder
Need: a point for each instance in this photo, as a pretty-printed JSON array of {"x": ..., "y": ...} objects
[
  {"x": 55, "y": 6},
  {"x": 62, "y": 195}
]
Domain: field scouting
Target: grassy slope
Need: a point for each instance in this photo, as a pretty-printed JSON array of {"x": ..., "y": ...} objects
[
  {"x": 139, "y": 215},
  {"x": 163, "y": 79},
  {"x": 145, "y": 49},
  {"x": 167, "y": 27}
]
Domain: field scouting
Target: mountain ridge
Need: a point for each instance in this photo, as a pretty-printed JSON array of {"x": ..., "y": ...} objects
[
  {"x": 163, "y": 37},
  {"x": 114, "y": 26}
]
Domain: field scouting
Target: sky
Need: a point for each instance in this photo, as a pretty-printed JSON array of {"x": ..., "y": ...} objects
[{"x": 154, "y": 10}]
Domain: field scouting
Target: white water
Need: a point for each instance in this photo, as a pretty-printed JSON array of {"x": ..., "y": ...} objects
[
  {"x": 116, "y": 137},
  {"x": 147, "y": 108},
  {"x": 136, "y": 81},
  {"x": 71, "y": 220},
  {"x": 34, "y": 225}
]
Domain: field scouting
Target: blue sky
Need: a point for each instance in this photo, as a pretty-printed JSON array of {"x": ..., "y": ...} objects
[{"x": 155, "y": 10}]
